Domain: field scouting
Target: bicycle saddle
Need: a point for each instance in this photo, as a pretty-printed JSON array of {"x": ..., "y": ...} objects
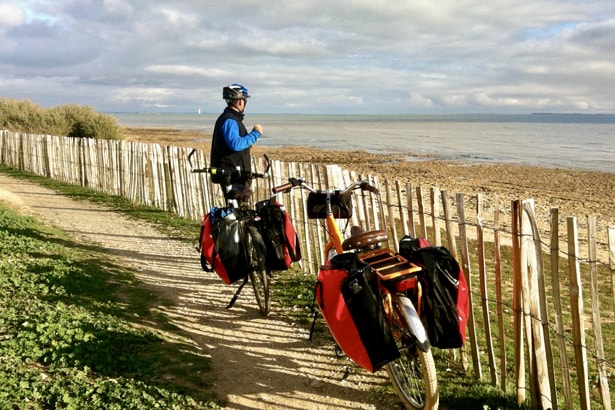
[{"x": 364, "y": 239}]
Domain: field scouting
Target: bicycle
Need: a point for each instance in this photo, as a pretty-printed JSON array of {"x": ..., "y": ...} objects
[
  {"x": 258, "y": 274},
  {"x": 413, "y": 373}
]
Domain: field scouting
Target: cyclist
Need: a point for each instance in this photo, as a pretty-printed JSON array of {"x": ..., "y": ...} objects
[{"x": 231, "y": 142}]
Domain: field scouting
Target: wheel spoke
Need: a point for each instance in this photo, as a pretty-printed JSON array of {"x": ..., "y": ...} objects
[{"x": 413, "y": 375}]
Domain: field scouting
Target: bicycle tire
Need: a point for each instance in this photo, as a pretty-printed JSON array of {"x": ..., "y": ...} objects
[
  {"x": 260, "y": 284},
  {"x": 259, "y": 274},
  {"x": 413, "y": 374}
]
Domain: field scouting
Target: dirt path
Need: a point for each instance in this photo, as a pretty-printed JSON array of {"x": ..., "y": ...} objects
[{"x": 259, "y": 363}]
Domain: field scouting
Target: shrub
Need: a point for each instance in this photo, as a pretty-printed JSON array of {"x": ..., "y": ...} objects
[
  {"x": 64, "y": 120},
  {"x": 20, "y": 115}
]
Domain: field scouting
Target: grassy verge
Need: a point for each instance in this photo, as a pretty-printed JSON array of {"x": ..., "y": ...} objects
[
  {"x": 155, "y": 363},
  {"x": 77, "y": 331}
]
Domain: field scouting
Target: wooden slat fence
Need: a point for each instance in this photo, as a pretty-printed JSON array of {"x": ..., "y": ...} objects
[{"x": 552, "y": 302}]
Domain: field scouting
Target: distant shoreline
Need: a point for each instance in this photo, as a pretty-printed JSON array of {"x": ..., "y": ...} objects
[
  {"x": 197, "y": 138},
  {"x": 581, "y": 141}
]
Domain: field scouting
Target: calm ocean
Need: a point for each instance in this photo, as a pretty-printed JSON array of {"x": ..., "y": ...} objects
[{"x": 584, "y": 142}]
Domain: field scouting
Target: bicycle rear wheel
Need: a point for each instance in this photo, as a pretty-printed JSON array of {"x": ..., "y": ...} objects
[
  {"x": 260, "y": 284},
  {"x": 259, "y": 274},
  {"x": 413, "y": 375}
]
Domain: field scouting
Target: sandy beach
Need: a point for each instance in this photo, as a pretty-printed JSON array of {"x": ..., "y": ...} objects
[{"x": 575, "y": 192}]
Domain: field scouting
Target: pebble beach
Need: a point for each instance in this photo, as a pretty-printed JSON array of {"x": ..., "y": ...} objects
[{"x": 574, "y": 192}]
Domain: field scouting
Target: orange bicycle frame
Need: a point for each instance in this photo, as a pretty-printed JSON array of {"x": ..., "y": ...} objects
[{"x": 333, "y": 230}]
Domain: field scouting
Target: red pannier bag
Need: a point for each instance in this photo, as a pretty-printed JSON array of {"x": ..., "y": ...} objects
[
  {"x": 444, "y": 304},
  {"x": 223, "y": 245},
  {"x": 207, "y": 245},
  {"x": 346, "y": 294}
]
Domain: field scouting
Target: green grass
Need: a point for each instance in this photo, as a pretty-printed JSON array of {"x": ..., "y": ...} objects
[
  {"x": 78, "y": 331},
  {"x": 606, "y": 308}
]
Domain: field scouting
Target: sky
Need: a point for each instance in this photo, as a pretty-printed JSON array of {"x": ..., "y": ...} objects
[{"x": 312, "y": 57}]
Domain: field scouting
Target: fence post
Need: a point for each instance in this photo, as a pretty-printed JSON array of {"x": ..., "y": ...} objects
[
  {"x": 410, "y": 210},
  {"x": 158, "y": 177},
  {"x": 391, "y": 214},
  {"x": 612, "y": 259},
  {"x": 541, "y": 363},
  {"x": 175, "y": 176},
  {"x": 421, "y": 210},
  {"x": 517, "y": 305},
  {"x": 557, "y": 307},
  {"x": 435, "y": 215},
  {"x": 402, "y": 213},
  {"x": 597, "y": 326},
  {"x": 526, "y": 302},
  {"x": 482, "y": 274},
  {"x": 452, "y": 247},
  {"x": 448, "y": 226},
  {"x": 498, "y": 291},
  {"x": 576, "y": 303},
  {"x": 360, "y": 205},
  {"x": 366, "y": 221},
  {"x": 376, "y": 219},
  {"x": 465, "y": 263},
  {"x": 319, "y": 243}
]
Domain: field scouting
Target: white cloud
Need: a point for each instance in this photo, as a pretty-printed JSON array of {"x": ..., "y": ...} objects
[
  {"x": 367, "y": 56},
  {"x": 185, "y": 70},
  {"x": 178, "y": 18},
  {"x": 11, "y": 15},
  {"x": 118, "y": 7}
]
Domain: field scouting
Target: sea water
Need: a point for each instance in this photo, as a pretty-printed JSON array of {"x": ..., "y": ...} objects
[{"x": 585, "y": 142}]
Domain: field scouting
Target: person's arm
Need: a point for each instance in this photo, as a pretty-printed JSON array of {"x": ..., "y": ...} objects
[{"x": 230, "y": 130}]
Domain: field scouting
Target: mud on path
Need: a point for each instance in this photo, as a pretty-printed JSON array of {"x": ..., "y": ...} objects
[{"x": 258, "y": 363}]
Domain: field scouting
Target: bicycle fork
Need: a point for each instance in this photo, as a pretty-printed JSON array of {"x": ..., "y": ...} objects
[{"x": 410, "y": 317}]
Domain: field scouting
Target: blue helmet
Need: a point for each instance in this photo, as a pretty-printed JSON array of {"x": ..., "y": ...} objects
[{"x": 235, "y": 92}]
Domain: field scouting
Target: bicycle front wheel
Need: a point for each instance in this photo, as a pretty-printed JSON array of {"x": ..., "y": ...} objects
[
  {"x": 260, "y": 284},
  {"x": 413, "y": 375}
]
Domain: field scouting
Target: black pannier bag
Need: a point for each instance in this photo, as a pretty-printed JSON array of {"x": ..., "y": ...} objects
[
  {"x": 280, "y": 236},
  {"x": 444, "y": 305},
  {"x": 409, "y": 245},
  {"x": 347, "y": 294},
  {"x": 231, "y": 245},
  {"x": 341, "y": 205}
]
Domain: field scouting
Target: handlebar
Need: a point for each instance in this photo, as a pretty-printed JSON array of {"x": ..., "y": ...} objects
[
  {"x": 366, "y": 186},
  {"x": 229, "y": 172},
  {"x": 233, "y": 173},
  {"x": 300, "y": 182},
  {"x": 292, "y": 183}
]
